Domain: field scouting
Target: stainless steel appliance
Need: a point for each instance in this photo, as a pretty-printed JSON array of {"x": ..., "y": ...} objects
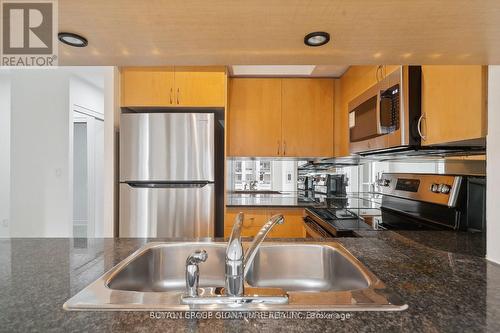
[
  {"x": 387, "y": 115},
  {"x": 431, "y": 201},
  {"x": 167, "y": 175}
]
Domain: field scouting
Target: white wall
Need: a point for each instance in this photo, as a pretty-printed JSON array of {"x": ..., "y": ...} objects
[
  {"x": 493, "y": 166},
  {"x": 111, "y": 128},
  {"x": 39, "y": 125},
  {"x": 40, "y": 202},
  {"x": 86, "y": 95},
  {"x": 4, "y": 153}
]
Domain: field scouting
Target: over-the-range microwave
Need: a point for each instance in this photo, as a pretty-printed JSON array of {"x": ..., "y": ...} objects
[{"x": 387, "y": 116}]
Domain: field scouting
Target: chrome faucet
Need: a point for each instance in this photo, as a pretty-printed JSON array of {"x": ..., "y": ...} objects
[
  {"x": 257, "y": 241},
  {"x": 234, "y": 260},
  {"x": 193, "y": 271},
  {"x": 237, "y": 266},
  {"x": 237, "y": 263}
]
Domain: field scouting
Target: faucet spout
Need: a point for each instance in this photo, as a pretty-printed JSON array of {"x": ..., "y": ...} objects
[
  {"x": 237, "y": 262},
  {"x": 234, "y": 279},
  {"x": 257, "y": 241}
]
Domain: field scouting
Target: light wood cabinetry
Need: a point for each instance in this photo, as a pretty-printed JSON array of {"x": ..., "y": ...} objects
[
  {"x": 453, "y": 104},
  {"x": 147, "y": 86},
  {"x": 255, "y": 218},
  {"x": 173, "y": 87},
  {"x": 307, "y": 117},
  {"x": 355, "y": 81},
  {"x": 280, "y": 117},
  {"x": 198, "y": 87},
  {"x": 254, "y": 117}
]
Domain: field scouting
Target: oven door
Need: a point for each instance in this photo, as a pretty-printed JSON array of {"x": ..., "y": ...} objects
[{"x": 314, "y": 230}]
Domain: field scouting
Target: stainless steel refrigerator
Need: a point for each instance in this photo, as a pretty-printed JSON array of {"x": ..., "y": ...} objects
[{"x": 167, "y": 175}]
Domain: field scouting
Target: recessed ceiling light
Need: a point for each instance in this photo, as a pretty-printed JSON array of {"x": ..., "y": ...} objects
[
  {"x": 72, "y": 39},
  {"x": 317, "y": 38}
]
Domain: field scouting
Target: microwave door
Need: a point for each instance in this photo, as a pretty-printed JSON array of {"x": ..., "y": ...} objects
[
  {"x": 170, "y": 210},
  {"x": 364, "y": 120},
  {"x": 166, "y": 147}
]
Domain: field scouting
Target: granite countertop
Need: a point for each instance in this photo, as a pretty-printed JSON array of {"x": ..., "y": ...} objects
[
  {"x": 446, "y": 289},
  {"x": 284, "y": 199}
]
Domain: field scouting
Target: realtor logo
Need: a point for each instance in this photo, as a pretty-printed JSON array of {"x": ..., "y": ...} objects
[{"x": 29, "y": 35}]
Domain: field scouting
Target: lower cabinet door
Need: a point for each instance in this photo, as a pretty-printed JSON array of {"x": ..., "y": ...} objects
[{"x": 255, "y": 218}]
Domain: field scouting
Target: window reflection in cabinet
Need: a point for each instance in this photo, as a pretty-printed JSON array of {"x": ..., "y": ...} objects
[{"x": 262, "y": 175}]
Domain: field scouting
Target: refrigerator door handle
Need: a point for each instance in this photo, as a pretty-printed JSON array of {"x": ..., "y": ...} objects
[{"x": 191, "y": 184}]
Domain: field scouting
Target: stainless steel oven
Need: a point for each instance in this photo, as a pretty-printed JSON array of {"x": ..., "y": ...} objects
[
  {"x": 387, "y": 115},
  {"x": 433, "y": 201}
]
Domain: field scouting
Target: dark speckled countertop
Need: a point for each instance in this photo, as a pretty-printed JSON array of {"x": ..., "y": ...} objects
[{"x": 447, "y": 287}]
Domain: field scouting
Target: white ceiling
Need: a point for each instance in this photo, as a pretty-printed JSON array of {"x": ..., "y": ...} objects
[{"x": 226, "y": 32}]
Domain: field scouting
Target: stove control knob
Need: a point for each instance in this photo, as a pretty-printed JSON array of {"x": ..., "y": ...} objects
[
  {"x": 434, "y": 188},
  {"x": 445, "y": 189}
]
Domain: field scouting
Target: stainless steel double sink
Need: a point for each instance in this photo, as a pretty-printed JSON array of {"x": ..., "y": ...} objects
[{"x": 315, "y": 276}]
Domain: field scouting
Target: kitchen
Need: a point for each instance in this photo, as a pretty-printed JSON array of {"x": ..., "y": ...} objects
[{"x": 239, "y": 180}]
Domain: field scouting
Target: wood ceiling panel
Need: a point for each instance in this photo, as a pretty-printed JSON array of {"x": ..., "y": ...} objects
[{"x": 223, "y": 32}]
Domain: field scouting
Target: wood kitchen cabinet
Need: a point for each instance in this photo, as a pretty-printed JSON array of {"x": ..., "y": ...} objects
[
  {"x": 255, "y": 218},
  {"x": 199, "y": 87},
  {"x": 453, "y": 104},
  {"x": 173, "y": 87},
  {"x": 147, "y": 86},
  {"x": 307, "y": 117},
  {"x": 254, "y": 117},
  {"x": 280, "y": 117}
]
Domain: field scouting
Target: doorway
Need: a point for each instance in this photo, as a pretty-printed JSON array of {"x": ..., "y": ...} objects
[{"x": 88, "y": 168}]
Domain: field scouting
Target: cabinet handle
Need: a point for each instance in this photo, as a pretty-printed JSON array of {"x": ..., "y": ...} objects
[
  {"x": 284, "y": 147},
  {"x": 278, "y": 147},
  {"x": 419, "y": 127},
  {"x": 178, "y": 93},
  {"x": 171, "y": 92}
]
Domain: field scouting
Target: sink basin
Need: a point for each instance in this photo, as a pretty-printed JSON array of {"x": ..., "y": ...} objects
[
  {"x": 256, "y": 192},
  {"x": 162, "y": 268},
  {"x": 305, "y": 267},
  {"x": 315, "y": 276}
]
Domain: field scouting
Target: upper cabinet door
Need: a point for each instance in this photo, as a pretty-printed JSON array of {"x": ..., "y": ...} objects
[
  {"x": 200, "y": 87},
  {"x": 307, "y": 117},
  {"x": 453, "y": 103},
  {"x": 254, "y": 117},
  {"x": 147, "y": 86}
]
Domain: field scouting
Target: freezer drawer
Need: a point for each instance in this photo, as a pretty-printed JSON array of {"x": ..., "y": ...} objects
[
  {"x": 166, "y": 147},
  {"x": 162, "y": 210}
]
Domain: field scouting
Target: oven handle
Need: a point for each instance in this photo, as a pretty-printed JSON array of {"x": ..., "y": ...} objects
[{"x": 314, "y": 229}]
